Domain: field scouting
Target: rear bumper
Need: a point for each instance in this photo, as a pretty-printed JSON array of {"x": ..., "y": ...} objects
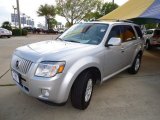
[{"x": 155, "y": 43}]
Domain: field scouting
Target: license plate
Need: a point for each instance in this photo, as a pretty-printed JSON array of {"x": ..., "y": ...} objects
[{"x": 15, "y": 76}]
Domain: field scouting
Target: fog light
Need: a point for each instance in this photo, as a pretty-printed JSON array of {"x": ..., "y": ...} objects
[{"x": 45, "y": 92}]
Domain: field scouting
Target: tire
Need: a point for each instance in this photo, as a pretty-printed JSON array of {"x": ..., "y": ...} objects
[
  {"x": 148, "y": 45},
  {"x": 82, "y": 89},
  {"x": 8, "y": 36},
  {"x": 136, "y": 65}
]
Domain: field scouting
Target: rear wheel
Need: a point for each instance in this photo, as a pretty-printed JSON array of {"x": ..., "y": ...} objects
[
  {"x": 82, "y": 89},
  {"x": 136, "y": 65}
]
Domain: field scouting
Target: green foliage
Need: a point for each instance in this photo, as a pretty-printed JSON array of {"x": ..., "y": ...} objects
[
  {"x": 75, "y": 10},
  {"x": 101, "y": 10},
  {"x": 108, "y": 7},
  {"x": 16, "y": 32},
  {"x": 19, "y": 32},
  {"x": 152, "y": 26},
  {"x": 24, "y": 32},
  {"x": 7, "y": 25},
  {"x": 53, "y": 23},
  {"x": 48, "y": 11}
]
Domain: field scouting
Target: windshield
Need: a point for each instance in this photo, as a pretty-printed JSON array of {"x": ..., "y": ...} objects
[{"x": 86, "y": 33}]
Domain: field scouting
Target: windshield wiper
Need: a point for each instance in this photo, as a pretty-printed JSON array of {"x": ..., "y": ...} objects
[
  {"x": 59, "y": 39},
  {"x": 72, "y": 41}
]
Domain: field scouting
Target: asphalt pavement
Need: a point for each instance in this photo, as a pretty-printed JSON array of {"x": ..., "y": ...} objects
[{"x": 123, "y": 97}]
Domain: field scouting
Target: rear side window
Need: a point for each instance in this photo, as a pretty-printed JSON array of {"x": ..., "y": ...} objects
[
  {"x": 157, "y": 32},
  {"x": 127, "y": 33},
  {"x": 139, "y": 32}
]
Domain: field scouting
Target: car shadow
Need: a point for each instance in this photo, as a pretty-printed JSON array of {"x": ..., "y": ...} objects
[{"x": 154, "y": 51}]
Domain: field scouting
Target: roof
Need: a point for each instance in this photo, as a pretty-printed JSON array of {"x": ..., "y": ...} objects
[
  {"x": 141, "y": 11},
  {"x": 110, "y": 22}
]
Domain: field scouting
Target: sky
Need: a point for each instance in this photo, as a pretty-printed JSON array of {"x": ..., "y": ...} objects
[{"x": 29, "y": 7}]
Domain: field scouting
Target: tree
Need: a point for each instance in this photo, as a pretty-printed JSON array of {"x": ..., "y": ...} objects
[
  {"x": 52, "y": 23},
  {"x": 101, "y": 10},
  {"x": 48, "y": 11},
  {"x": 7, "y": 25},
  {"x": 75, "y": 10},
  {"x": 93, "y": 15},
  {"x": 108, "y": 7}
]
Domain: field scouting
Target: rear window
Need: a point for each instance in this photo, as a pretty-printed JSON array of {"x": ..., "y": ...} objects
[
  {"x": 139, "y": 32},
  {"x": 149, "y": 32},
  {"x": 157, "y": 32}
]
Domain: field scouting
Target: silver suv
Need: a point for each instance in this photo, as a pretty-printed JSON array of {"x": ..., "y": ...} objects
[{"x": 69, "y": 67}]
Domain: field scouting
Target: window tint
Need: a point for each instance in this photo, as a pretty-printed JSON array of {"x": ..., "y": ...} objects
[
  {"x": 127, "y": 33},
  {"x": 157, "y": 32},
  {"x": 149, "y": 31},
  {"x": 115, "y": 32},
  {"x": 139, "y": 32},
  {"x": 85, "y": 33}
]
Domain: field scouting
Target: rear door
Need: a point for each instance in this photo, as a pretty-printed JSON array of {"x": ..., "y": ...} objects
[{"x": 129, "y": 43}]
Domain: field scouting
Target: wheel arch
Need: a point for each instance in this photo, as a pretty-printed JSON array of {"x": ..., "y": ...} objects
[{"x": 75, "y": 70}]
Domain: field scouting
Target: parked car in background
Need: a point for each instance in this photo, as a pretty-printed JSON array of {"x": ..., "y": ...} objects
[
  {"x": 53, "y": 31},
  {"x": 86, "y": 54},
  {"x": 152, "y": 38},
  {"x": 29, "y": 29},
  {"x": 61, "y": 31},
  {"x": 5, "y": 33}
]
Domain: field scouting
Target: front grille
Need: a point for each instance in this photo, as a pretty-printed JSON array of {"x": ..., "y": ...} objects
[{"x": 21, "y": 64}]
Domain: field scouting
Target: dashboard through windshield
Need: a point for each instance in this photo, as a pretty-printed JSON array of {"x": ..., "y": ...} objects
[{"x": 86, "y": 33}]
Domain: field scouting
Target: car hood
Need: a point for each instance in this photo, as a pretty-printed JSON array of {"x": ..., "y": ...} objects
[
  {"x": 51, "y": 50},
  {"x": 53, "y": 46}
]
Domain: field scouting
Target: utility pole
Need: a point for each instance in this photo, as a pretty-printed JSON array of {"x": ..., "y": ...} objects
[
  {"x": 14, "y": 15},
  {"x": 18, "y": 11},
  {"x": 113, "y": 1},
  {"x": 23, "y": 18}
]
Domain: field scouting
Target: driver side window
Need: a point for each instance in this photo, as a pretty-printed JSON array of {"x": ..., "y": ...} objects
[{"x": 115, "y": 32}]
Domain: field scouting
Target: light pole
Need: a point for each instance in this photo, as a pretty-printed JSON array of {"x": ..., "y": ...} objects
[
  {"x": 18, "y": 11},
  {"x": 28, "y": 20},
  {"x": 14, "y": 15},
  {"x": 23, "y": 18}
]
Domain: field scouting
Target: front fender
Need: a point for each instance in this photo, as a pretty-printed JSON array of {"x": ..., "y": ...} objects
[{"x": 73, "y": 73}]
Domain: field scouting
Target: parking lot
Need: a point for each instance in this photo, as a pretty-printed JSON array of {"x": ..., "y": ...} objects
[{"x": 124, "y": 97}]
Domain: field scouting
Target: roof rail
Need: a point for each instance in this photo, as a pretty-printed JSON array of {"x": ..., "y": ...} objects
[{"x": 117, "y": 20}]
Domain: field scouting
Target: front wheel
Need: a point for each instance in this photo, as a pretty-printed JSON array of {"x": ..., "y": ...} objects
[
  {"x": 136, "y": 65},
  {"x": 82, "y": 89}
]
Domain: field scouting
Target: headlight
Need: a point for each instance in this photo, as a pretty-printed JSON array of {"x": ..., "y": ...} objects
[{"x": 49, "y": 69}]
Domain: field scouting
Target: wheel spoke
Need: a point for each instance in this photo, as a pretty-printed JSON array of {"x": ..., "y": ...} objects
[{"x": 88, "y": 92}]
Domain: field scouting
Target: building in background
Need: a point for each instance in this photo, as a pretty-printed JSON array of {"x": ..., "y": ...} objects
[{"x": 25, "y": 20}]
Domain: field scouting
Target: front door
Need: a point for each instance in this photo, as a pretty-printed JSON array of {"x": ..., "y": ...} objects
[{"x": 113, "y": 55}]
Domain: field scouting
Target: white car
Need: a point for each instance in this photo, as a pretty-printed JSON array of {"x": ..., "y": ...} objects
[
  {"x": 152, "y": 38},
  {"x": 5, "y": 32}
]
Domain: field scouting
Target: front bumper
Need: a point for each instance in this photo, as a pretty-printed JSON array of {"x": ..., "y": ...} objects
[{"x": 34, "y": 86}]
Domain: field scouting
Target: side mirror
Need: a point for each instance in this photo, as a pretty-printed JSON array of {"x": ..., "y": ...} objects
[{"x": 114, "y": 42}]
